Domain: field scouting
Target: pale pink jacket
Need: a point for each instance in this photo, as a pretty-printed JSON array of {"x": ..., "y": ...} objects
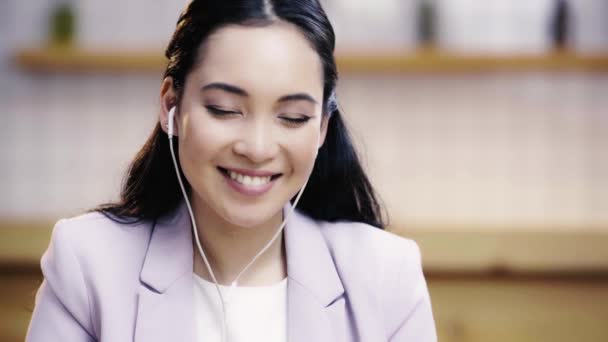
[{"x": 106, "y": 281}]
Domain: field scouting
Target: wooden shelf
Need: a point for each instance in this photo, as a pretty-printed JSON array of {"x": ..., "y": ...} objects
[
  {"x": 424, "y": 61},
  {"x": 445, "y": 253},
  {"x": 436, "y": 62},
  {"x": 79, "y": 60}
]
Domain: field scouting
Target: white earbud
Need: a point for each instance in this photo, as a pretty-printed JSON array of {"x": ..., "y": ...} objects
[{"x": 170, "y": 122}]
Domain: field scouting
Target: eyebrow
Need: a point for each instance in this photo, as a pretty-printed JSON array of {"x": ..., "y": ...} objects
[{"x": 241, "y": 92}]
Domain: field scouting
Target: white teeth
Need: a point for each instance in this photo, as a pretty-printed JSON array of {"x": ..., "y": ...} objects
[{"x": 248, "y": 180}]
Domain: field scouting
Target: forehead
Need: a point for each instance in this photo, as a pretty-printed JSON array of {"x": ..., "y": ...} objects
[{"x": 271, "y": 60}]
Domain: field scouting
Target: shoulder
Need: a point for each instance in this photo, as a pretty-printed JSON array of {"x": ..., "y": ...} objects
[
  {"x": 344, "y": 235},
  {"x": 95, "y": 227},
  {"x": 382, "y": 266},
  {"x": 371, "y": 246},
  {"x": 89, "y": 251},
  {"x": 88, "y": 258},
  {"x": 93, "y": 236}
]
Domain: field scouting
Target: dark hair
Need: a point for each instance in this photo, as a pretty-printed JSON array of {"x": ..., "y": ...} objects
[{"x": 338, "y": 188}]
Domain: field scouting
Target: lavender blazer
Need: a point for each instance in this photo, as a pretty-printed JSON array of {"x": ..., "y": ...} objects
[{"x": 104, "y": 281}]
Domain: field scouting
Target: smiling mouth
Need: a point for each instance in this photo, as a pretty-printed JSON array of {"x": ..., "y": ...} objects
[{"x": 248, "y": 180}]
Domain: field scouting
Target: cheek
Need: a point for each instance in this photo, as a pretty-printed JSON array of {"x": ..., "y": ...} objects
[
  {"x": 201, "y": 139},
  {"x": 303, "y": 150}
]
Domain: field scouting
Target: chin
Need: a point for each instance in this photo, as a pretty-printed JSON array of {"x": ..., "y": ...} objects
[{"x": 249, "y": 218}]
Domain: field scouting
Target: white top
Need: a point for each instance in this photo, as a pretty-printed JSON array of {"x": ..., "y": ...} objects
[{"x": 253, "y": 313}]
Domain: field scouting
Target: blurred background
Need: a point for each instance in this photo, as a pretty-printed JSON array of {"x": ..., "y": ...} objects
[{"x": 483, "y": 125}]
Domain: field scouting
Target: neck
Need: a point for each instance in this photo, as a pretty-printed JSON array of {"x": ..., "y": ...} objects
[{"x": 229, "y": 248}]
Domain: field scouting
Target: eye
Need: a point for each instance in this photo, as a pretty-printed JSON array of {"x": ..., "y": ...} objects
[
  {"x": 221, "y": 112},
  {"x": 291, "y": 121}
]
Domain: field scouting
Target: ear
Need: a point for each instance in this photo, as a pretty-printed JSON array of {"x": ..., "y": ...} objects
[
  {"x": 324, "y": 124},
  {"x": 168, "y": 99}
]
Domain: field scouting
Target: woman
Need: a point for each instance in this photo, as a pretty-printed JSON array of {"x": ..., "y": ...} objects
[{"x": 204, "y": 243}]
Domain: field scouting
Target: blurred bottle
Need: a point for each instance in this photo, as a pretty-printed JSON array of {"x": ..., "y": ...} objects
[
  {"x": 426, "y": 23},
  {"x": 63, "y": 24},
  {"x": 560, "y": 22}
]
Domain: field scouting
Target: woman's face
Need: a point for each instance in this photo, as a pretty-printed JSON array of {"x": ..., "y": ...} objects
[{"x": 250, "y": 121}]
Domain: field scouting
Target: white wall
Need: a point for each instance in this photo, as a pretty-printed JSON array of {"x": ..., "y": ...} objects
[{"x": 496, "y": 149}]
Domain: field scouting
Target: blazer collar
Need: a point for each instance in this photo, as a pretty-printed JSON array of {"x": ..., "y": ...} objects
[
  {"x": 314, "y": 311},
  {"x": 309, "y": 261},
  {"x": 165, "y": 296},
  {"x": 169, "y": 254},
  {"x": 165, "y": 310}
]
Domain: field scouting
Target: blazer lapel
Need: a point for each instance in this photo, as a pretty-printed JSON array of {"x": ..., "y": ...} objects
[
  {"x": 316, "y": 308},
  {"x": 315, "y": 304},
  {"x": 165, "y": 302}
]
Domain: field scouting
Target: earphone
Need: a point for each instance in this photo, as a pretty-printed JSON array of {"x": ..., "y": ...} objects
[
  {"x": 170, "y": 122},
  {"x": 170, "y": 131}
]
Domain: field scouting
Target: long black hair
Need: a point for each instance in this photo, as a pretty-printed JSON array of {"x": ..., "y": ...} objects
[{"x": 338, "y": 188}]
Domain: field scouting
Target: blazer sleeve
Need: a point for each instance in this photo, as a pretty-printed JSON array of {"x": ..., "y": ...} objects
[
  {"x": 418, "y": 324},
  {"x": 62, "y": 309}
]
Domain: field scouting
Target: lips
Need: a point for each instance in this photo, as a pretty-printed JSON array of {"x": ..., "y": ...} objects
[
  {"x": 250, "y": 173},
  {"x": 249, "y": 182}
]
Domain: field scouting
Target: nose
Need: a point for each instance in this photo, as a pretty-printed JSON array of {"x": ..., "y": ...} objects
[{"x": 257, "y": 142}]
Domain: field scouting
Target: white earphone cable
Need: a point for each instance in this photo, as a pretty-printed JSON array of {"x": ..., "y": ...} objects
[{"x": 195, "y": 230}]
